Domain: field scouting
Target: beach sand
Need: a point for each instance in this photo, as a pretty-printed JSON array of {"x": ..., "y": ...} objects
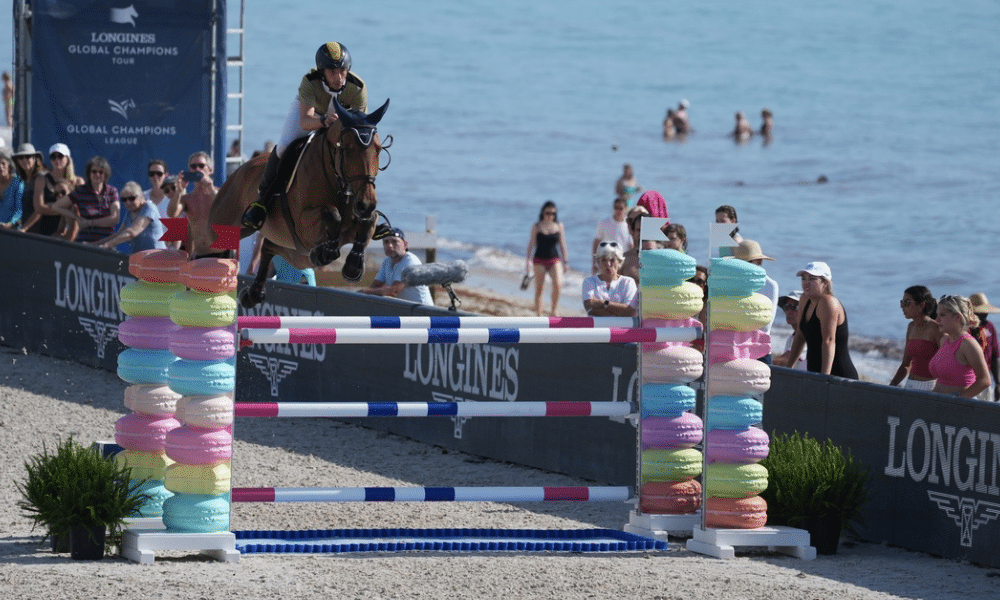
[{"x": 42, "y": 399}]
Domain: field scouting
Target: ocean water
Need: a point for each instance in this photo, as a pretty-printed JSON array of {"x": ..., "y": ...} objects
[{"x": 499, "y": 106}]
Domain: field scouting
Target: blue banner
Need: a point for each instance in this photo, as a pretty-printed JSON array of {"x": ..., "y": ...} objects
[{"x": 129, "y": 80}]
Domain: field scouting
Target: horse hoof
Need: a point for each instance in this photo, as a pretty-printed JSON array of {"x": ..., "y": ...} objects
[
  {"x": 251, "y": 296},
  {"x": 354, "y": 266},
  {"x": 324, "y": 254}
]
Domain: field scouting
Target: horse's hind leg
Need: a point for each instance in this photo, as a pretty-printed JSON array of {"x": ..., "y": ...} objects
[
  {"x": 354, "y": 264},
  {"x": 254, "y": 295}
]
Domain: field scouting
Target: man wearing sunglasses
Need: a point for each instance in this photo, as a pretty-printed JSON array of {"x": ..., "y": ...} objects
[{"x": 197, "y": 203}]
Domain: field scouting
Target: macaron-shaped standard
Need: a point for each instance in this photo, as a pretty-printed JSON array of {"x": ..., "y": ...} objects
[
  {"x": 676, "y": 364},
  {"x": 683, "y": 431},
  {"x": 203, "y": 343},
  {"x": 741, "y": 314},
  {"x": 146, "y": 333},
  {"x": 736, "y": 513},
  {"x": 147, "y": 299},
  {"x": 733, "y": 412},
  {"x": 735, "y": 481},
  {"x": 735, "y": 278},
  {"x": 731, "y": 345},
  {"x": 158, "y": 265},
  {"x": 191, "y": 308},
  {"x": 202, "y": 377},
  {"x": 670, "y": 498},
  {"x": 143, "y": 432},
  {"x": 198, "y": 479},
  {"x": 196, "y": 513},
  {"x": 158, "y": 495},
  {"x": 145, "y": 367},
  {"x": 667, "y": 399},
  {"x": 739, "y": 377},
  {"x": 738, "y": 446},
  {"x": 156, "y": 400},
  {"x": 144, "y": 465},
  {"x": 666, "y": 267},
  {"x": 663, "y": 323},
  {"x": 213, "y": 275},
  {"x": 207, "y": 412},
  {"x": 669, "y": 465},
  {"x": 672, "y": 302},
  {"x": 197, "y": 446}
]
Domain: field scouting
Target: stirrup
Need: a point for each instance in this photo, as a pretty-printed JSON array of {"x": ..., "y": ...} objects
[{"x": 254, "y": 216}]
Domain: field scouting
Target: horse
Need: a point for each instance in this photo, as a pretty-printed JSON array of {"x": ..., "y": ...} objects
[{"x": 328, "y": 203}]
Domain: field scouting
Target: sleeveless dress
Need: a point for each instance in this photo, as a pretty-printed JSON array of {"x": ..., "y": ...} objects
[
  {"x": 546, "y": 246},
  {"x": 813, "y": 332}
]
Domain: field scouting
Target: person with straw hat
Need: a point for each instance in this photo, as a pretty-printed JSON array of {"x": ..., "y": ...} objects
[
  {"x": 749, "y": 251},
  {"x": 986, "y": 333}
]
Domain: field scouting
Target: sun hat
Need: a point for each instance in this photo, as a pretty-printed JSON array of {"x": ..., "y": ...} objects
[
  {"x": 60, "y": 148},
  {"x": 818, "y": 268},
  {"x": 26, "y": 149},
  {"x": 749, "y": 250},
  {"x": 789, "y": 297},
  {"x": 981, "y": 304},
  {"x": 610, "y": 247}
]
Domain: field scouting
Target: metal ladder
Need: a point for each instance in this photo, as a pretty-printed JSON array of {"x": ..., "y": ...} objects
[{"x": 235, "y": 93}]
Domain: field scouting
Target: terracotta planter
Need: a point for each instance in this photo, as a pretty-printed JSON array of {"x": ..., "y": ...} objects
[{"x": 87, "y": 543}]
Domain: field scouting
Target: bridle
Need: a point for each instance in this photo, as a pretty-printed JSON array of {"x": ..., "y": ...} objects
[{"x": 334, "y": 153}]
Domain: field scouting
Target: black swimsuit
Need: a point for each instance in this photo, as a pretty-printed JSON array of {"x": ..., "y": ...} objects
[{"x": 813, "y": 332}]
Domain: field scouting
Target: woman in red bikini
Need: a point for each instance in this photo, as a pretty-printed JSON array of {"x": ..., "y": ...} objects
[
  {"x": 959, "y": 365},
  {"x": 547, "y": 254},
  {"x": 922, "y": 337}
]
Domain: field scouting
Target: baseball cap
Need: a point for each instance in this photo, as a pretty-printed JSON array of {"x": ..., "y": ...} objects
[
  {"x": 60, "y": 148},
  {"x": 397, "y": 232},
  {"x": 818, "y": 268}
]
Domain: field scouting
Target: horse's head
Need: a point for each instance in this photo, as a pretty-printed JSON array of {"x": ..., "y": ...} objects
[{"x": 358, "y": 149}]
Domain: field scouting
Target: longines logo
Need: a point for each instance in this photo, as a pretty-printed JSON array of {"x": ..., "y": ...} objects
[
  {"x": 967, "y": 513},
  {"x": 101, "y": 332},
  {"x": 275, "y": 369}
]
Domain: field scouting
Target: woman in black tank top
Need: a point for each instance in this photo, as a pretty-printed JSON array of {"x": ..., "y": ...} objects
[
  {"x": 823, "y": 326},
  {"x": 547, "y": 254}
]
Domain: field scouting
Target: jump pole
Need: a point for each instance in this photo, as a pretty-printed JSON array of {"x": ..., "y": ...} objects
[
  {"x": 279, "y": 322},
  {"x": 346, "y": 410},
  {"x": 434, "y": 494}
]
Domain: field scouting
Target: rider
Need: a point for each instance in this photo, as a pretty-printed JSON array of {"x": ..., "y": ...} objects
[{"x": 312, "y": 109}]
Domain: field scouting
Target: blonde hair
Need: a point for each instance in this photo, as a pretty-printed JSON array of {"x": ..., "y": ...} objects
[
  {"x": 961, "y": 306},
  {"x": 135, "y": 187}
]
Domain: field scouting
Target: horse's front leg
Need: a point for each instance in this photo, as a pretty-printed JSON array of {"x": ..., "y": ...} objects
[
  {"x": 354, "y": 264},
  {"x": 254, "y": 295},
  {"x": 328, "y": 250}
]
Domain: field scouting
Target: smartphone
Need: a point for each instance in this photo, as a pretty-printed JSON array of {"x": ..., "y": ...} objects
[{"x": 193, "y": 176}]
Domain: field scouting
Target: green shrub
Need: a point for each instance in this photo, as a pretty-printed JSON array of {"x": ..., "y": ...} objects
[{"x": 809, "y": 481}]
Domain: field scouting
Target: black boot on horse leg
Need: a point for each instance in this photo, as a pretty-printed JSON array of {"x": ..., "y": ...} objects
[
  {"x": 329, "y": 250},
  {"x": 255, "y": 214},
  {"x": 354, "y": 264}
]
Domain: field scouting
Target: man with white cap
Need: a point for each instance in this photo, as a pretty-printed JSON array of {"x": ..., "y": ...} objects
[
  {"x": 982, "y": 308},
  {"x": 749, "y": 251}
]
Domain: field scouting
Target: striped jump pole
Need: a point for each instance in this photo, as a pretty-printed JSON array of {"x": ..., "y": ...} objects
[
  {"x": 432, "y": 409},
  {"x": 434, "y": 494},
  {"x": 278, "y": 322},
  {"x": 604, "y": 335}
]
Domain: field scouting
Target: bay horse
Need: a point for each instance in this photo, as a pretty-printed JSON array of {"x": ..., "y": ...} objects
[{"x": 329, "y": 203}]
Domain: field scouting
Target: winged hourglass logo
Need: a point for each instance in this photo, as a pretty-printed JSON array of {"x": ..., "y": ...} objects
[
  {"x": 275, "y": 369},
  {"x": 967, "y": 513}
]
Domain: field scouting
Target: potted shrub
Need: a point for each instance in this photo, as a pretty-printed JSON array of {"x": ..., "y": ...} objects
[
  {"x": 815, "y": 486},
  {"x": 87, "y": 495},
  {"x": 40, "y": 492}
]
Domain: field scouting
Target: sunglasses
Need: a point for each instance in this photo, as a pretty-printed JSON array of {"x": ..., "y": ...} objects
[
  {"x": 550, "y": 212},
  {"x": 155, "y": 173},
  {"x": 608, "y": 245},
  {"x": 96, "y": 172},
  {"x": 904, "y": 303},
  {"x": 128, "y": 198},
  {"x": 168, "y": 189},
  {"x": 788, "y": 306},
  {"x": 56, "y": 156},
  {"x": 194, "y": 166}
]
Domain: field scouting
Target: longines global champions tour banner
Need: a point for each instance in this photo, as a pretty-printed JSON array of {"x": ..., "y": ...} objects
[{"x": 129, "y": 80}]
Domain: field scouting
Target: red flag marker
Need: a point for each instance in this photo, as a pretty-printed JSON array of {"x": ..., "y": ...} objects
[
  {"x": 177, "y": 230},
  {"x": 229, "y": 237}
]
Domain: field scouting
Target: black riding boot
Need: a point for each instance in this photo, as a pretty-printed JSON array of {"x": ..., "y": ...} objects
[{"x": 255, "y": 215}]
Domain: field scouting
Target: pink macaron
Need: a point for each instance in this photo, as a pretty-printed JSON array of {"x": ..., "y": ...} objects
[
  {"x": 197, "y": 446},
  {"x": 731, "y": 345},
  {"x": 215, "y": 275},
  {"x": 158, "y": 265},
  {"x": 146, "y": 333},
  {"x": 144, "y": 433},
  {"x": 736, "y": 513},
  {"x": 203, "y": 343}
]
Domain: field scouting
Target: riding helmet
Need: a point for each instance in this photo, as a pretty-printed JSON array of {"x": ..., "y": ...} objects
[{"x": 333, "y": 55}]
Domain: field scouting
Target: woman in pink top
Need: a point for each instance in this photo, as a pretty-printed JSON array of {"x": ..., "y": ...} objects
[
  {"x": 922, "y": 337},
  {"x": 959, "y": 365}
]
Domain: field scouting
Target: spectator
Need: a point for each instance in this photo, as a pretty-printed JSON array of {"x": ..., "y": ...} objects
[
  {"x": 701, "y": 280},
  {"x": 95, "y": 203},
  {"x": 141, "y": 229},
  {"x": 742, "y": 131},
  {"x": 654, "y": 203},
  {"x": 823, "y": 329},
  {"x": 626, "y": 184},
  {"x": 388, "y": 281},
  {"x": 280, "y": 268},
  {"x": 11, "y": 194},
  {"x": 8, "y": 99},
  {"x": 235, "y": 151},
  {"x": 790, "y": 306},
  {"x": 196, "y": 203},
  {"x": 157, "y": 173},
  {"x": 547, "y": 254},
  {"x": 677, "y": 238},
  {"x": 630, "y": 264},
  {"x": 988, "y": 339},
  {"x": 608, "y": 293},
  {"x": 749, "y": 251},
  {"x": 922, "y": 339},
  {"x": 767, "y": 122},
  {"x": 725, "y": 214},
  {"x": 959, "y": 364},
  {"x": 50, "y": 221},
  {"x": 613, "y": 228},
  {"x": 29, "y": 165}
]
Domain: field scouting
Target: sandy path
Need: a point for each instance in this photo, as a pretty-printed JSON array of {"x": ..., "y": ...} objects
[{"x": 42, "y": 398}]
